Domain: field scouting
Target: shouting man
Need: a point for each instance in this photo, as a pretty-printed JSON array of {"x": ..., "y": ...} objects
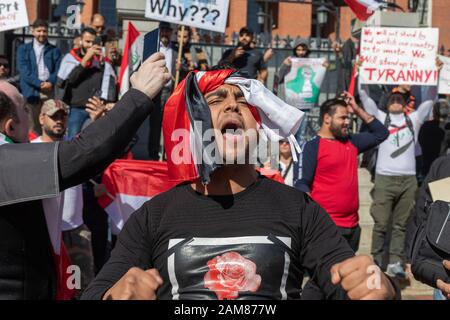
[{"x": 209, "y": 238}]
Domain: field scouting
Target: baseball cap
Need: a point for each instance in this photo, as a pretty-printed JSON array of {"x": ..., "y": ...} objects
[{"x": 50, "y": 107}]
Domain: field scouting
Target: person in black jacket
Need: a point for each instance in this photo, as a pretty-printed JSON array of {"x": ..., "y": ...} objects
[
  {"x": 439, "y": 170},
  {"x": 34, "y": 172}
]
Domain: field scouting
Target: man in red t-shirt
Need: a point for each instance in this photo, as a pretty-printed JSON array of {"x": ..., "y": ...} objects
[{"x": 328, "y": 167}]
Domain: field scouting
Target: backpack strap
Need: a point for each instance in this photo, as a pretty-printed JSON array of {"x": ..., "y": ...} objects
[
  {"x": 387, "y": 121},
  {"x": 408, "y": 120}
]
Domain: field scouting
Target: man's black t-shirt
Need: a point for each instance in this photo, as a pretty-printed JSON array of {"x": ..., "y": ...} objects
[
  {"x": 256, "y": 244},
  {"x": 250, "y": 62}
]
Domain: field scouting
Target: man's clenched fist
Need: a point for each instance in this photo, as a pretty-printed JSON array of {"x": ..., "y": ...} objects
[
  {"x": 362, "y": 279},
  {"x": 151, "y": 76},
  {"x": 136, "y": 284},
  {"x": 444, "y": 287}
]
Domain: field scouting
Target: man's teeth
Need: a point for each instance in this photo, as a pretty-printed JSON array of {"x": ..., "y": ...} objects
[{"x": 233, "y": 132}]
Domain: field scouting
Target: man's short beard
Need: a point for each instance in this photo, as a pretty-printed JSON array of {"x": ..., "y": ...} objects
[
  {"x": 53, "y": 135},
  {"x": 244, "y": 46},
  {"x": 337, "y": 133}
]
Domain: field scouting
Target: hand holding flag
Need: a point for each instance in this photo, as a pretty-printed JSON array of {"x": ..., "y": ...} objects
[{"x": 151, "y": 77}]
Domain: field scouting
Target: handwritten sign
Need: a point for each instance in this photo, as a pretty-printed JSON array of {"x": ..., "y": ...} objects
[
  {"x": 13, "y": 14},
  {"x": 444, "y": 76},
  {"x": 302, "y": 84},
  {"x": 203, "y": 14},
  {"x": 399, "y": 56}
]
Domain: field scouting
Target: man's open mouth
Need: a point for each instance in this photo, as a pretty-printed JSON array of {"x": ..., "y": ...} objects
[{"x": 232, "y": 129}]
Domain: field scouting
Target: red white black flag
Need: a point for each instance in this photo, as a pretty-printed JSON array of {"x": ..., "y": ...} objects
[{"x": 363, "y": 9}]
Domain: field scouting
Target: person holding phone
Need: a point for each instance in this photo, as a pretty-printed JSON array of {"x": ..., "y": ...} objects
[
  {"x": 84, "y": 73},
  {"x": 246, "y": 58}
]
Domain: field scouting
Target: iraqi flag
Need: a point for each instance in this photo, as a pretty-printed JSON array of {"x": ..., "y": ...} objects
[
  {"x": 131, "y": 59},
  {"x": 363, "y": 9},
  {"x": 130, "y": 183},
  {"x": 188, "y": 158}
]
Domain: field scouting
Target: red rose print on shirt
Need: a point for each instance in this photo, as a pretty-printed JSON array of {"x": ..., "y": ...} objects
[{"x": 230, "y": 273}]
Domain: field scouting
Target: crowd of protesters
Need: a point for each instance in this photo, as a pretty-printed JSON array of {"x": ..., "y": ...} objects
[{"x": 61, "y": 97}]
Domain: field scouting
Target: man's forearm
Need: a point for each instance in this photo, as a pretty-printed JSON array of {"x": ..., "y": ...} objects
[
  {"x": 103, "y": 141},
  {"x": 364, "y": 116},
  {"x": 262, "y": 75},
  {"x": 75, "y": 75}
]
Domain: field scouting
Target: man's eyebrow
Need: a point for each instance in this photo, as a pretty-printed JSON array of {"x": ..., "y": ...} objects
[
  {"x": 238, "y": 94},
  {"x": 221, "y": 93}
]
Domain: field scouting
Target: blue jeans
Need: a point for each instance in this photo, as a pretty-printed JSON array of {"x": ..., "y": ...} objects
[{"x": 77, "y": 117}]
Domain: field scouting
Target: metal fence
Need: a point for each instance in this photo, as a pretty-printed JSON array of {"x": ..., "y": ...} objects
[{"x": 213, "y": 45}]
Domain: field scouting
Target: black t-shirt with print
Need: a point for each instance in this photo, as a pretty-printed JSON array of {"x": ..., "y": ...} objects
[{"x": 256, "y": 244}]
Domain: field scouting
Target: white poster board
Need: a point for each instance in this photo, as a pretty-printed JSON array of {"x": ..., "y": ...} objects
[
  {"x": 440, "y": 190},
  {"x": 444, "y": 76},
  {"x": 302, "y": 84},
  {"x": 13, "y": 14},
  {"x": 204, "y": 14},
  {"x": 399, "y": 56}
]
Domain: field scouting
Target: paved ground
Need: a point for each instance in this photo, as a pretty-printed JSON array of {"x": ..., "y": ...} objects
[{"x": 413, "y": 290}]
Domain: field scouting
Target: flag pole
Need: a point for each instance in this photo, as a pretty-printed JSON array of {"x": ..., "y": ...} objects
[
  {"x": 109, "y": 195},
  {"x": 180, "y": 52}
]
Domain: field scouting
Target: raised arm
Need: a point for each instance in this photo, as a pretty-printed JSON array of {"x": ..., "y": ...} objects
[
  {"x": 423, "y": 113},
  {"x": 103, "y": 141},
  {"x": 377, "y": 131},
  {"x": 369, "y": 105}
]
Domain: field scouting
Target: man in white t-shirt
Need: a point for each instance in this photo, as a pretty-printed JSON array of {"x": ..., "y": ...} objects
[
  {"x": 395, "y": 176},
  {"x": 67, "y": 207}
]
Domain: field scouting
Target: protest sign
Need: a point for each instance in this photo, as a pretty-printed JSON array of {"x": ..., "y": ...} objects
[
  {"x": 302, "y": 83},
  {"x": 13, "y": 14},
  {"x": 444, "y": 76},
  {"x": 203, "y": 14},
  {"x": 399, "y": 56}
]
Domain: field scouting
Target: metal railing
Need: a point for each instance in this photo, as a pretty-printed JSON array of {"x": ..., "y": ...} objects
[
  {"x": 213, "y": 45},
  {"x": 282, "y": 48}
]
